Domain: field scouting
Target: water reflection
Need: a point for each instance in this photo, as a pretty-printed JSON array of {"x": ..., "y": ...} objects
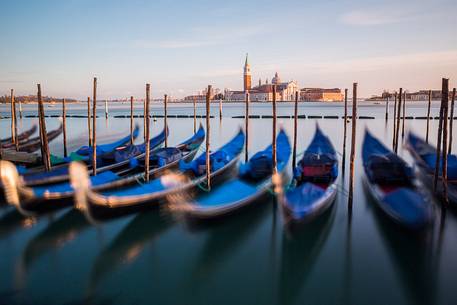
[
  {"x": 129, "y": 244},
  {"x": 300, "y": 249},
  {"x": 224, "y": 236},
  {"x": 13, "y": 221},
  {"x": 57, "y": 234},
  {"x": 412, "y": 255}
]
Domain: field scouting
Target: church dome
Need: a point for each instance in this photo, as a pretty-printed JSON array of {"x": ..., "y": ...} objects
[{"x": 276, "y": 80}]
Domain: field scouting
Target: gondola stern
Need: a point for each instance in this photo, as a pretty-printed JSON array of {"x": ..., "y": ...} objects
[
  {"x": 10, "y": 181},
  {"x": 80, "y": 182}
]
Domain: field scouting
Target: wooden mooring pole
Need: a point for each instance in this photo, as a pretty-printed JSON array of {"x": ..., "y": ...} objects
[
  {"x": 387, "y": 107},
  {"x": 397, "y": 129},
  {"x": 428, "y": 114},
  {"x": 64, "y": 123},
  {"x": 94, "y": 129},
  {"x": 106, "y": 109},
  {"x": 220, "y": 109},
  {"x": 394, "y": 121},
  {"x": 444, "y": 102},
  {"x": 246, "y": 146},
  {"x": 353, "y": 139},
  {"x": 294, "y": 155},
  {"x": 404, "y": 114},
  {"x": 131, "y": 120},
  {"x": 165, "y": 125},
  {"x": 195, "y": 116},
  {"x": 89, "y": 129},
  {"x": 208, "y": 163},
  {"x": 20, "y": 109},
  {"x": 451, "y": 122},
  {"x": 145, "y": 119},
  {"x": 345, "y": 118},
  {"x": 45, "y": 155},
  {"x": 15, "y": 138},
  {"x": 274, "y": 131},
  {"x": 147, "y": 132}
]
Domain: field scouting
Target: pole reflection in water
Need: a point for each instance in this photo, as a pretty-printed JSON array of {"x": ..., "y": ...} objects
[
  {"x": 301, "y": 246},
  {"x": 128, "y": 245},
  {"x": 235, "y": 230},
  {"x": 411, "y": 253}
]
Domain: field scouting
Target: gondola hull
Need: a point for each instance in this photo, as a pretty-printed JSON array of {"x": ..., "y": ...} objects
[
  {"x": 169, "y": 188},
  {"x": 98, "y": 209},
  {"x": 40, "y": 199},
  {"x": 243, "y": 191}
]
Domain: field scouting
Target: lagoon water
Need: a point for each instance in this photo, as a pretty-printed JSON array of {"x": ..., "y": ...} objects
[{"x": 247, "y": 258}]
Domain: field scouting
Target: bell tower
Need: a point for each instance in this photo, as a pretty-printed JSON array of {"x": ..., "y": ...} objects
[{"x": 247, "y": 75}]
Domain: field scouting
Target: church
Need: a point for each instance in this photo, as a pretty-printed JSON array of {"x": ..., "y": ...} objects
[{"x": 285, "y": 91}]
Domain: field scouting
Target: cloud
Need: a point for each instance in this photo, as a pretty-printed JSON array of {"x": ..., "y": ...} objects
[
  {"x": 378, "y": 16},
  {"x": 204, "y": 36}
]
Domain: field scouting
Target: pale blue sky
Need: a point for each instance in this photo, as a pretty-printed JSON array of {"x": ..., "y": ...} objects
[{"x": 182, "y": 46}]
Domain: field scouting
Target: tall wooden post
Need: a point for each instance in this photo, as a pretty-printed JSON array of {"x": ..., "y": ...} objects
[
  {"x": 428, "y": 114},
  {"x": 404, "y": 114},
  {"x": 64, "y": 123},
  {"x": 13, "y": 127},
  {"x": 397, "y": 129},
  {"x": 345, "y": 118},
  {"x": 451, "y": 122},
  {"x": 208, "y": 163},
  {"x": 106, "y": 109},
  {"x": 45, "y": 155},
  {"x": 147, "y": 132},
  {"x": 94, "y": 129},
  {"x": 165, "y": 100},
  {"x": 20, "y": 109},
  {"x": 145, "y": 119},
  {"x": 15, "y": 138},
  {"x": 195, "y": 116},
  {"x": 387, "y": 107},
  {"x": 444, "y": 102},
  {"x": 294, "y": 155},
  {"x": 220, "y": 109},
  {"x": 246, "y": 147},
  {"x": 353, "y": 139},
  {"x": 89, "y": 130},
  {"x": 395, "y": 121},
  {"x": 274, "y": 131},
  {"x": 131, "y": 120}
]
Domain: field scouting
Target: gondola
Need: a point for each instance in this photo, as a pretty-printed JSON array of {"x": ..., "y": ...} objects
[
  {"x": 29, "y": 199},
  {"x": 393, "y": 186},
  {"x": 253, "y": 182},
  {"x": 59, "y": 173},
  {"x": 84, "y": 153},
  {"x": 145, "y": 195},
  {"x": 424, "y": 156},
  {"x": 313, "y": 188},
  {"x": 33, "y": 144},
  {"x": 6, "y": 143}
]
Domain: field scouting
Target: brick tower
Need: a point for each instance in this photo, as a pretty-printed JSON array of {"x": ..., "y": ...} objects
[{"x": 247, "y": 75}]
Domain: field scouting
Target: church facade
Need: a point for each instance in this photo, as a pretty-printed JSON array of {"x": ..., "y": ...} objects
[{"x": 285, "y": 91}]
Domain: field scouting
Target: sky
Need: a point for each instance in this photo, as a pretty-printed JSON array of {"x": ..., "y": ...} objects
[{"x": 180, "y": 47}]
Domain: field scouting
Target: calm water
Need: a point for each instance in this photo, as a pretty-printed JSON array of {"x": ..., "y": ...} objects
[{"x": 248, "y": 258}]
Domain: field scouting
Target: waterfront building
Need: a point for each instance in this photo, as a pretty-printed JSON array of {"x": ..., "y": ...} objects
[{"x": 321, "y": 95}]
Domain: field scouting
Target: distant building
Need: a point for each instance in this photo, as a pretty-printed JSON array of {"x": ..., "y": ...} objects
[
  {"x": 321, "y": 95},
  {"x": 285, "y": 91}
]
